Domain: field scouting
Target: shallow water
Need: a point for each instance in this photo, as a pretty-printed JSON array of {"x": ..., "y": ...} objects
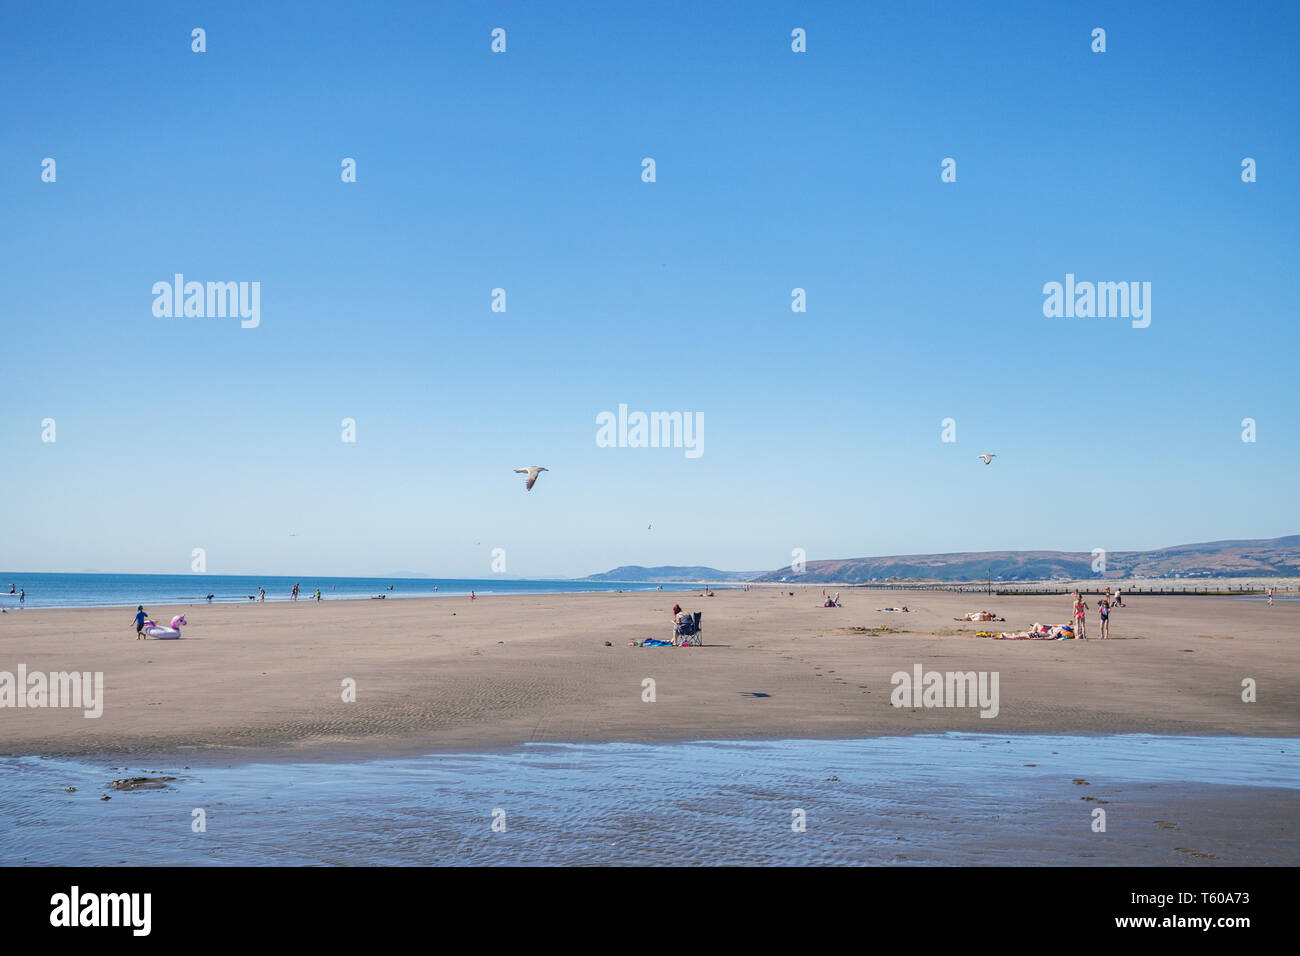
[
  {"x": 951, "y": 798},
  {"x": 129, "y": 590}
]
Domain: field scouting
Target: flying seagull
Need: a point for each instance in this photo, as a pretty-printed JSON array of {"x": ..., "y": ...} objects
[
  {"x": 988, "y": 459},
  {"x": 532, "y": 471}
]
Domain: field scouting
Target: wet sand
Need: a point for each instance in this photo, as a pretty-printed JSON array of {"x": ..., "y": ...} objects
[
  {"x": 949, "y": 799},
  {"x": 443, "y": 674}
]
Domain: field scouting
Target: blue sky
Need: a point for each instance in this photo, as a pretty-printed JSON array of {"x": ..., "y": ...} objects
[{"x": 522, "y": 171}]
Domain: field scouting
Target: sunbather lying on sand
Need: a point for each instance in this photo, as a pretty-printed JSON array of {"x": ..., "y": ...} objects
[
  {"x": 979, "y": 616},
  {"x": 1036, "y": 633},
  {"x": 904, "y": 608}
]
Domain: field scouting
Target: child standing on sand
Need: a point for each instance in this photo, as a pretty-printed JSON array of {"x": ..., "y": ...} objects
[
  {"x": 1105, "y": 618},
  {"x": 1080, "y": 618}
]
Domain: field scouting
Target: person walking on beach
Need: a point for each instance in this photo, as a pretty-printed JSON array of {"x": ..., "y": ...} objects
[
  {"x": 318, "y": 595},
  {"x": 1119, "y": 597},
  {"x": 471, "y": 595},
  {"x": 1104, "y": 605},
  {"x": 1080, "y": 617},
  {"x": 293, "y": 592},
  {"x": 139, "y": 622},
  {"x": 261, "y": 595},
  {"x": 1270, "y": 597}
]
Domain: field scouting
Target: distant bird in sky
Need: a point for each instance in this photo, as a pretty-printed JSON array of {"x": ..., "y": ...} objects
[
  {"x": 532, "y": 471},
  {"x": 988, "y": 459}
]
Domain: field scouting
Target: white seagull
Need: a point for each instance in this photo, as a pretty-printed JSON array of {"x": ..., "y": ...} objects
[
  {"x": 532, "y": 471},
  {"x": 988, "y": 459}
]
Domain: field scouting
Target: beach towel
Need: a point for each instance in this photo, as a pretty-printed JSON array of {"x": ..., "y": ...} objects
[{"x": 655, "y": 642}]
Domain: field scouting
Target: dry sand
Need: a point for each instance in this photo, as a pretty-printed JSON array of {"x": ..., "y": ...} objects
[{"x": 447, "y": 673}]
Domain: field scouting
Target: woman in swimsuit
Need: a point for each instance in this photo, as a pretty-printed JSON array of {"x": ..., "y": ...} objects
[
  {"x": 1105, "y": 618},
  {"x": 1080, "y": 619}
]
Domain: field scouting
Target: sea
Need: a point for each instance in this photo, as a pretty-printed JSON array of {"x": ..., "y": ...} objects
[
  {"x": 942, "y": 799},
  {"x": 121, "y": 590}
]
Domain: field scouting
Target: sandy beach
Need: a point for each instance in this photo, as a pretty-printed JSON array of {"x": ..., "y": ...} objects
[{"x": 450, "y": 673}]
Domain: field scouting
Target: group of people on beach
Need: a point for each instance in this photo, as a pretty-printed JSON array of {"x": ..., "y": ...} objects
[
  {"x": 293, "y": 592},
  {"x": 1104, "y": 606}
]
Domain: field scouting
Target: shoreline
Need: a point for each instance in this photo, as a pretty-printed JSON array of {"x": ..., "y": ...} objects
[
  {"x": 1235, "y": 587},
  {"x": 307, "y": 600},
  {"x": 632, "y": 587},
  {"x": 446, "y": 674},
  {"x": 362, "y": 751}
]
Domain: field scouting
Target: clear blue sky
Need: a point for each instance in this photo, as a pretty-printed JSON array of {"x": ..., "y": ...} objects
[{"x": 522, "y": 170}]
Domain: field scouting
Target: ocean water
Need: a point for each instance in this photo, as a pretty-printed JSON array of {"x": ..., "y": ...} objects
[
  {"x": 950, "y": 798},
  {"x": 121, "y": 590}
]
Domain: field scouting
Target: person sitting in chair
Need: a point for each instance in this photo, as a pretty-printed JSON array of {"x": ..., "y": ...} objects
[{"x": 683, "y": 623}]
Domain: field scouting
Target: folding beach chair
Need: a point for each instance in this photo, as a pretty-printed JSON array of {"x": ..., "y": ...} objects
[{"x": 689, "y": 630}]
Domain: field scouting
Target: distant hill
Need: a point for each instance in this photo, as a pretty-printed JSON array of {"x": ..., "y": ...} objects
[
  {"x": 671, "y": 573},
  {"x": 1270, "y": 557}
]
